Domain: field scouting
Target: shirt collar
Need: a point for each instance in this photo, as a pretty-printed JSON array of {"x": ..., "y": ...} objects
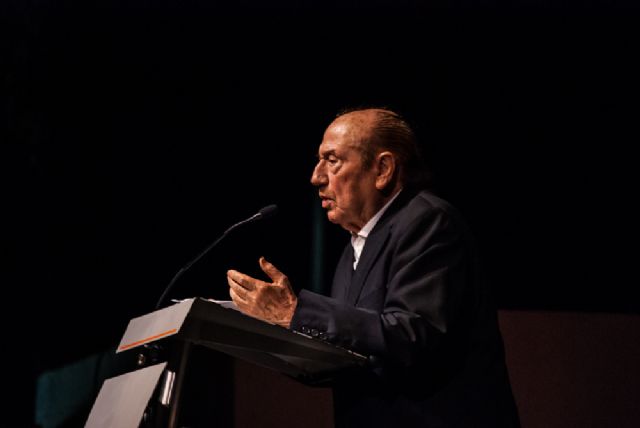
[{"x": 367, "y": 228}]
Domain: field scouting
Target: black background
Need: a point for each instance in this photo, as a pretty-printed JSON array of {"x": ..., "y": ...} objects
[{"x": 134, "y": 132}]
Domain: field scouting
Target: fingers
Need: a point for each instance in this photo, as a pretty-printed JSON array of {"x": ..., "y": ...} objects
[
  {"x": 237, "y": 290},
  {"x": 239, "y": 301},
  {"x": 273, "y": 273},
  {"x": 272, "y": 302},
  {"x": 244, "y": 281}
]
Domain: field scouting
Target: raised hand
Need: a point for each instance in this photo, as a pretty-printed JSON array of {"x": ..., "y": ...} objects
[{"x": 273, "y": 302}]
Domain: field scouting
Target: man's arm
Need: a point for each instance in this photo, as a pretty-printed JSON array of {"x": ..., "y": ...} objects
[
  {"x": 422, "y": 291},
  {"x": 422, "y": 279}
]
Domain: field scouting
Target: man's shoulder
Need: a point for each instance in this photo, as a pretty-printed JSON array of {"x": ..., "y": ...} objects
[
  {"x": 427, "y": 201},
  {"x": 426, "y": 206}
]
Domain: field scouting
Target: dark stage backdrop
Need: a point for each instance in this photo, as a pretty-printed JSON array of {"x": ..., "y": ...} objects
[{"x": 133, "y": 133}]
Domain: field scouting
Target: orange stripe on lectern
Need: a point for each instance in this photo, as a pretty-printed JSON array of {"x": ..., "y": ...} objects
[{"x": 139, "y": 342}]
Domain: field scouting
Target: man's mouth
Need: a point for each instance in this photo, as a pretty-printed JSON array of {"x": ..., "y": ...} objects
[{"x": 326, "y": 202}]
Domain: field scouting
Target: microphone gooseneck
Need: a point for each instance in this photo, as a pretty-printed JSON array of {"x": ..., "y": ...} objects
[
  {"x": 268, "y": 211},
  {"x": 264, "y": 213}
]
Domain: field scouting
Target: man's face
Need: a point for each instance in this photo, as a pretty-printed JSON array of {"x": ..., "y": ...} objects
[{"x": 347, "y": 189}]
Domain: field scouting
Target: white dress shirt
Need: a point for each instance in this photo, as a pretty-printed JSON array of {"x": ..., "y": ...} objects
[{"x": 357, "y": 240}]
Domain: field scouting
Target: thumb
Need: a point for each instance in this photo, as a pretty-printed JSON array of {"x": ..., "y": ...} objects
[{"x": 271, "y": 270}]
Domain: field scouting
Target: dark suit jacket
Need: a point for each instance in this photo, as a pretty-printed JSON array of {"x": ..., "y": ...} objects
[{"x": 416, "y": 304}]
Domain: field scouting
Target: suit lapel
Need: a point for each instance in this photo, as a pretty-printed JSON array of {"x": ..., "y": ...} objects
[
  {"x": 374, "y": 244},
  {"x": 343, "y": 274},
  {"x": 372, "y": 247}
]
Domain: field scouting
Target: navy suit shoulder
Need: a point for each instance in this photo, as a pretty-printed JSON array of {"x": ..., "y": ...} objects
[{"x": 424, "y": 209}]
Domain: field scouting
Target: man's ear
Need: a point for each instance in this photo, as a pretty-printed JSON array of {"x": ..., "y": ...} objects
[{"x": 386, "y": 168}]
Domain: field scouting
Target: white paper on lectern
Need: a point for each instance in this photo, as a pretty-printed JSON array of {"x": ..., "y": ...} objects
[
  {"x": 228, "y": 304},
  {"x": 122, "y": 399},
  {"x": 156, "y": 325}
]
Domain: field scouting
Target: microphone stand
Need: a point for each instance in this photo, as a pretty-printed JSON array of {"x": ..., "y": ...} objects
[
  {"x": 198, "y": 257},
  {"x": 265, "y": 212}
]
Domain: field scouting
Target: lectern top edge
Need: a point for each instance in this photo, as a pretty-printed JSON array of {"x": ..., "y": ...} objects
[
  {"x": 215, "y": 324},
  {"x": 155, "y": 326}
]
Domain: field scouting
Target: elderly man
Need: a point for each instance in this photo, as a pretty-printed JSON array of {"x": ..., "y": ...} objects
[{"x": 406, "y": 291}]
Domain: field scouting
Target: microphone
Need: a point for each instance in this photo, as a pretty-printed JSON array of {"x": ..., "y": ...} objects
[{"x": 264, "y": 213}]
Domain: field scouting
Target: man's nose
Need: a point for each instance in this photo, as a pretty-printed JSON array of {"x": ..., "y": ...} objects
[{"x": 318, "y": 177}]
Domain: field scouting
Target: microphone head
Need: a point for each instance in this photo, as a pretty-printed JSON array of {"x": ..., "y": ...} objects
[{"x": 268, "y": 211}]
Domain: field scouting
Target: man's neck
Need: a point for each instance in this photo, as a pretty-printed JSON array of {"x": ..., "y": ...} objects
[{"x": 373, "y": 220}]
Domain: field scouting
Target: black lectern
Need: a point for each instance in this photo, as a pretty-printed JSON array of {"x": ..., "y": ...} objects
[{"x": 165, "y": 339}]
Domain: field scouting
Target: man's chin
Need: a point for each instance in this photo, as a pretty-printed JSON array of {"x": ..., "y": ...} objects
[
  {"x": 332, "y": 217},
  {"x": 335, "y": 219}
]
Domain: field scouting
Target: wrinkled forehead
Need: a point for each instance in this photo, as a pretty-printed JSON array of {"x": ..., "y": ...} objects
[
  {"x": 350, "y": 131},
  {"x": 338, "y": 140}
]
